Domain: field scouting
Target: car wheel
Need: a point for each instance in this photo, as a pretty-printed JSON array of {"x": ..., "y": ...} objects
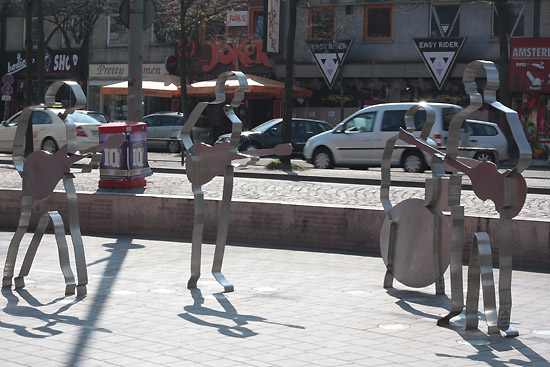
[
  {"x": 485, "y": 157},
  {"x": 413, "y": 162},
  {"x": 248, "y": 147},
  {"x": 174, "y": 146},
  {"x": 49, "y": 145},
  {"x": 322, "y": 158}
]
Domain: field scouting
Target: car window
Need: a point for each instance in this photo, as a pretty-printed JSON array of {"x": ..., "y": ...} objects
[
  {"x": 40, "y": 118},
  {"x": 82, "y": 118},
  {"x": 176, "y": 121},
  {"x": 394, "y": 119},
  {"x": 151, "y": 121},
  {"x": 483, "y": 130},
  {"x": 314, "y": 128},
  {"x": 361, "y": 123},
  {"x": 447, "y": 114}
]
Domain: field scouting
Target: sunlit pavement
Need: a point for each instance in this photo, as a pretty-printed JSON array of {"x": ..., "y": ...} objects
[{"x": 289, "y": 308}]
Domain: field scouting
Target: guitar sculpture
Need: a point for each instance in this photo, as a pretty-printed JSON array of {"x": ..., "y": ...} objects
[
  {"x": 507, "y": 190},
  {"x": 487, "y": 182},
  {"x": 40, "y": 172},
  {"x": 46, "y": 169},
  {"x": 204, "y": 162},
  {"x": 219, "y": 156}
]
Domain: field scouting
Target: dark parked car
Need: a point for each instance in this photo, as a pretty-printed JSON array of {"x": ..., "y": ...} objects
[{"x": 269, "y": 134}]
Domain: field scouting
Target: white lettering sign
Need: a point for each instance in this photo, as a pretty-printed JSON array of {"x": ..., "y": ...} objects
[{"x": 237, "y": 19}]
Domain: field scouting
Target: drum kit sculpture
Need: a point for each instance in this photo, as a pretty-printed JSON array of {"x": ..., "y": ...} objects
[{"x": 419, "y": 239}]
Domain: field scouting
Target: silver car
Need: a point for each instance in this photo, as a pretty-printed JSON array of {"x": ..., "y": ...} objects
[{"x": 360, "y": 139}]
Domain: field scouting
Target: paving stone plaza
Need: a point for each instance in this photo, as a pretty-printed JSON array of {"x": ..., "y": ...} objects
[{"x": 289, "y": 308}]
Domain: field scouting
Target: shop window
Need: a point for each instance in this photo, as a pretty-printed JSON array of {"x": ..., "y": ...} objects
[
  {"x": 34, "y": 32},
  {"x": 321, "y": 23},
  {"x": 257, "y": 24},
  {"x": 117, "y": 34},
  {"x": 75, "y": 32},
  {"x": 515, "y": 14},
  {"x": 378, "y": 22},
  {"x": 445, "y": 20},
  {"x": 214, "y": 29},
  {"x": 160, "y": 36}
]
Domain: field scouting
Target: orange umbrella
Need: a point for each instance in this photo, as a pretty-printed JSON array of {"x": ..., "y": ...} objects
[
  {"x": 258, "y": 88},
  {"x": 166, "y": 86}
]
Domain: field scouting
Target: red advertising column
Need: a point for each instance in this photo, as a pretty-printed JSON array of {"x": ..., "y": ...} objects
[{"x": 125, "y": 166}]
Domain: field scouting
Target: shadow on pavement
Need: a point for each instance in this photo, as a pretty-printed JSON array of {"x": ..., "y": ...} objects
[{"x": 229, "y": 313}]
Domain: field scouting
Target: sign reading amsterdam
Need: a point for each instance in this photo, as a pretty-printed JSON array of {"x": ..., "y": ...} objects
[
  {"x": 330, "y": 56},
  {"x": 530, "y": 65},
  {"x": 439, "y": 55}
]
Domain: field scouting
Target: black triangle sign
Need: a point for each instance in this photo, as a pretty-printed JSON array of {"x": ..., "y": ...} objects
[
  {"x": 439, "y": 55},
  {"x": 330, "y": 56}
]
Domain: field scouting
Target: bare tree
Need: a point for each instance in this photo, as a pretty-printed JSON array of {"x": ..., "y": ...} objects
[{"x": 187, "y": 18}]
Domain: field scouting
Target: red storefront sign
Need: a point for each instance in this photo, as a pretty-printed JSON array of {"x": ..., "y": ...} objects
[
  {"x": 239, "y": 54},
  {"x": 530, "y": 65}
]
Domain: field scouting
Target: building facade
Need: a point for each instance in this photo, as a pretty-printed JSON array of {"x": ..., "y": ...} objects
[{"x": 390, "y": 57}]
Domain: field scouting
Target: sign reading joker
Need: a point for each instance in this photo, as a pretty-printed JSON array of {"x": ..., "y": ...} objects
[{"x": 530, "y": 65}]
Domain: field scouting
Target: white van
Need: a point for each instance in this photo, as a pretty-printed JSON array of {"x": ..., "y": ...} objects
[{"x": 360, "y": 139}]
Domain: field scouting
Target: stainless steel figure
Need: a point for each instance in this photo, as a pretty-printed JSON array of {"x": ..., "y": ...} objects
[
  {"x": 204, "y": 162},
  {"x": 506, "y": 189},
  {"x": 56, "y": 168},
  {"x": 414, "y": 236}
]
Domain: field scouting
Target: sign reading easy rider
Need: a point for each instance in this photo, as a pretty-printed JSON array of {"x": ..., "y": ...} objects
[{"x": 439, "y": 55}]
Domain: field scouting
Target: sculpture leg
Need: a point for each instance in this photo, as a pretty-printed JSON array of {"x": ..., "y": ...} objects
[
  {"x": 76, "y": 236},
  {"x": 481, "y": 266},
  {"x": 437, "y": 241},
  {"x": 505, "y": 278},
  {"x": 198, "y": 227},
  {"x": 221, "y": 238},
  {"x": 388, "y": 278},
  {"x": 24, "y": 219},
  {"x": 457, "y": 244},
  {"x": 62, "y": 248}
]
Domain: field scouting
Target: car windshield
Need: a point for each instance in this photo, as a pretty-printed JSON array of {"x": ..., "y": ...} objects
[{"x": 266, "y": 125}]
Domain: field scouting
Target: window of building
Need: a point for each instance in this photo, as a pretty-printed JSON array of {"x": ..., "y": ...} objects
[
  {"x": 321, "y": 23},
  {"x": 160, "y": 35},
  {"x": 117, "y": 34},
  {"x": 257, "y": 24},
  {"x": 514, "y": 19},
  {"x": 445, "y": 20},
  {"x": 378, "y": 22},
  {"x": 75, "y": 33},
  {"x": 214, "y": 29}
]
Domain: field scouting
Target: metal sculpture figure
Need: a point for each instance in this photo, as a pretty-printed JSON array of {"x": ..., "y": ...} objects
[
  {"x": 204, "y": 162},
  {"x": 40, "y": 172},
  {"x": 507, "y": 190},
  {"x": 414, "y": 236}
]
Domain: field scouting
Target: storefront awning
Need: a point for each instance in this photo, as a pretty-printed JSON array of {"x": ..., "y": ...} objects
[
  {"x": 258, "y": 88},
  {"x": 166, "y": 86}
]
